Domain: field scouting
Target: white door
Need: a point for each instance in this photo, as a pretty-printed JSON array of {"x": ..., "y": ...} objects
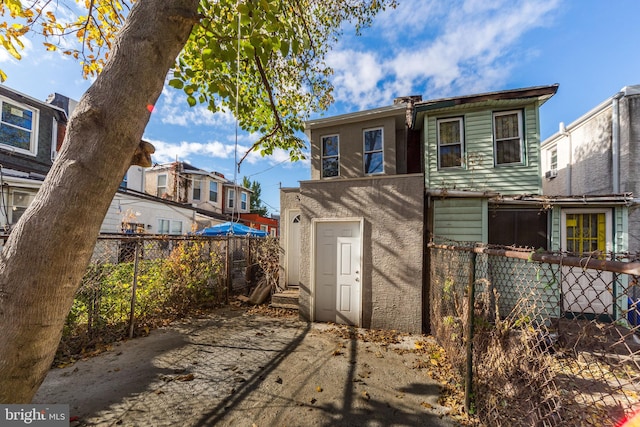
[
  {"x": 293, "y": 249},
  {"x": 337, "y": 272},
  {"x": 587, "y": 233}
]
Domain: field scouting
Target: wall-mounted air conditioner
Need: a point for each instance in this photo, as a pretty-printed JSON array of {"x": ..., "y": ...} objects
[{"x": 551, "y": 173}]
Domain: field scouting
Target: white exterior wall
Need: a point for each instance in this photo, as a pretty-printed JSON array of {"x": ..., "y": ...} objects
[{"x": 127, "y": 208}]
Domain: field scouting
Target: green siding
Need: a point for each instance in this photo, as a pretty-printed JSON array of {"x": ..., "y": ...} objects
[
  {"x": 479, "y": 173},
  {"x": 460, "y": 219}
]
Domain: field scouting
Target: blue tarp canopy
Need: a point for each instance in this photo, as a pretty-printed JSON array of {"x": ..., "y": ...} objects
[{"x": 231, "y": 229}]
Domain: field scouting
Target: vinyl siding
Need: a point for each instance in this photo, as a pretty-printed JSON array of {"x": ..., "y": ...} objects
[
  {"x": 460, "y": 219},
  {"x": 479, "y": 172}
]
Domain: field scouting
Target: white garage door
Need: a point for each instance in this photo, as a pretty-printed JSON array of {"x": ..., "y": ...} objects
[{"x": 337, "y": 272}]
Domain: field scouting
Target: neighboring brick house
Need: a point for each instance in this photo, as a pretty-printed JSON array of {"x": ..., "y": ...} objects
[
  {"x": 31, "y": 132},
  {"x": 260, "y": 222},
  {"x": 385, "y": 180}
]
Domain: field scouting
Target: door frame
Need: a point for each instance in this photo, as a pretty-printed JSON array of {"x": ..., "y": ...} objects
[
  {"x": 312, "y": 296},
  {"x": 290, "y": 215},
  {"x": 609, "y": 241}
]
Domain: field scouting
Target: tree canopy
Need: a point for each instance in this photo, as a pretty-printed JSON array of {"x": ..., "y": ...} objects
[
  {"x": 256, "y": 204},
  {"x": 264, "y": 60}
]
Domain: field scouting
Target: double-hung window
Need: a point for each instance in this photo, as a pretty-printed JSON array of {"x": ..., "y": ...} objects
[
  {"x": 169, "y": 226},
  {"x": 330, "y": 155},
  {"x": 450, "y": 142},
  {"x": 232, "y": 195},
  {"x": 243, "y": 201},
  {"x": 373, "y": 151},
  {"x": 197, "y": 189},
  {"x": 507, "y": 138},
  {"x": 161, "y": 187},
  {"x": 18, "y": 127},
  {"x": 213, "y": 192}
]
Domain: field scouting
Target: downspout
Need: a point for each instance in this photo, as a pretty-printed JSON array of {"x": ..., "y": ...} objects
[
  {"x": 563, "y": 131},
  {"x": 615, "y": 142}
]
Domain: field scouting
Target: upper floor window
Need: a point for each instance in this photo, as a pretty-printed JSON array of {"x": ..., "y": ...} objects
[
  {"x": 197, "y": 189},
  {"x": 450, "y": 142},
  {"x": 18, "y": 127},
  {"x": 373, "y": 151},
  {"x": 213, "y": 191},
  {"x": 553, "y": 161},
  {"x": 232, "y": 195},
  {"x": 243, "y": 201},
  {"x": 507, "y": 134},
  {"x": 330, "y": 156},
  {"x": 161, "y": 187}
]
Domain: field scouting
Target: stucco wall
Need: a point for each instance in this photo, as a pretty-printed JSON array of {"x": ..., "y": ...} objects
[
  {"x": 351, "y": 146},
  {"x": 392, "y": 211}
]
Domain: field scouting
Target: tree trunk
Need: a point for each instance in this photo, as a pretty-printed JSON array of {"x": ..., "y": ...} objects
[{"x": 47, "y": 253}]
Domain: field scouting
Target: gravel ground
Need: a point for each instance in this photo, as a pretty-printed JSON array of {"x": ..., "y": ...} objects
[{"x": 234, "y": 368}]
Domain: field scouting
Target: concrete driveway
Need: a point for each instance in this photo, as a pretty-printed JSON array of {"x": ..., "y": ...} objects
[{"x": 232, "y": 368}]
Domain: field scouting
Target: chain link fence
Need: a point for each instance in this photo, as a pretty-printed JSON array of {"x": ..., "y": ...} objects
[
  {"x": 539, "y": 339},
  {"x": 137, "y": 282}
]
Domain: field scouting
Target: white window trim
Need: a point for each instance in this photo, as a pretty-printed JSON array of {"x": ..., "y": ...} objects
[
  {"x": 171, "y": 223},
  {"x": 211, "y": 183},
  {"x": 231, "y": 199},
  {"x": 365, "y": 152},
  {"x": 520, "y": 134},
  {"x": 322, "y": 156},
  {"x": 461, "y": 142},
  {"x": 244, "y": 201},
  {"x": 193, "y": 189},
  {"x": 158, "y": 184},
  {"x": 35, "y": 120}
]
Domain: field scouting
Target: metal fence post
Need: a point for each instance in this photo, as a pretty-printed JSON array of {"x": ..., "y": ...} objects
[
  {"x": 468, "y": 389},
  {"x": 133, "y": 288}
]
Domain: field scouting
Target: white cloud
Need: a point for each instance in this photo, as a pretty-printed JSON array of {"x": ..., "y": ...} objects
[
  {"x": 464, "y": 47},
  {"x": 168, "y": 152},
  {"x": 173, "y": 109}
]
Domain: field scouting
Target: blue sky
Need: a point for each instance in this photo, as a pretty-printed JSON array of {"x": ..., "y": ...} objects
[{"x": 430, "y": 47}]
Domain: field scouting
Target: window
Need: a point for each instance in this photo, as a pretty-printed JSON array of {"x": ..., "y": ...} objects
[
  {"x": 519, "y": 227},
  {"x": 586, "y": 232},
  {"x": 274, "y": 232},
  {"x": 232, "y": 195},
  {"x": 197, "y": 189},
  {"x": 243, "y": 201},
  {"x": 373, "y": 154},
  {"x": 161, "y": 188},
  {"x": 330, "y": 156},
  {"x": 264, "y": 228},
  {"x": 169, "y": 226},
  {"x": 213, "y": 191},
  {"x": 553, "y": 162},
  {"x": 450, "y": 142},
  {"x": 20, "y": 202},
  {"x": 507, "y": 132},
  {"x": 18, "y": 127}
]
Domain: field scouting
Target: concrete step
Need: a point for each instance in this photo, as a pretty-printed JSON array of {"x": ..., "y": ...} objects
[{"x": 286, "y": 299}]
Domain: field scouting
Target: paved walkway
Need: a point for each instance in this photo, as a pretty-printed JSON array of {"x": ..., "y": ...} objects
[{"x": 237, "y": 369}]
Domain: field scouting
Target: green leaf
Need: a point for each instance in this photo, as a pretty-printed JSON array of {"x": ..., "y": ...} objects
[
  {"x": 176, "y": 83},
  {"x": 191, "y": 100}
]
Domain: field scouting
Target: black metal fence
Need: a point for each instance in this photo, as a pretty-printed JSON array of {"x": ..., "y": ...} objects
[
  {"x": 539, "y": 339},
  {"x": 136, "y": 282}
]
